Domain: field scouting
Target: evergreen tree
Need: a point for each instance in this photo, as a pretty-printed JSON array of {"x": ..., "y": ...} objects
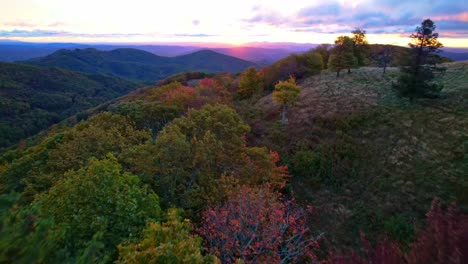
[{"x": 417, "y": 78}]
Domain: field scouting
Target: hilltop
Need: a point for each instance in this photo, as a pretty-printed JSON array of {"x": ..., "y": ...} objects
[
  {"x": 366, "y": 159},
  {"x": 32, "y": 98},
  {"x": 139, "y": 65}
]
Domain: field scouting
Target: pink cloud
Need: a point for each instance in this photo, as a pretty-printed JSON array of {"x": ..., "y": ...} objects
[{"x": 463, "y": 17}]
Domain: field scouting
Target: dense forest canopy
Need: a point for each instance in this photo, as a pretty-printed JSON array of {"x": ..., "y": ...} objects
[{"x": 33, "y": 98}]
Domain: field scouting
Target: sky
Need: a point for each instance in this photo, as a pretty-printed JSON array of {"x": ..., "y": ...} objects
[{"x": 233, "y": 22}]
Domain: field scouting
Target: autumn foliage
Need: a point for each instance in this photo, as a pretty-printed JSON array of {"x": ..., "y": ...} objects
[
  {"x": 251, "y": 83},
  {"x": 168, "y": 242},
  {"x": 183, "y": 97},
  {"x": 255, "y": 226},
  {"x": 195, "y": 153}
]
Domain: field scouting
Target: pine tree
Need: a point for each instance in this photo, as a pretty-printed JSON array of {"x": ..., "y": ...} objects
[{"x": 417, "y": 78}]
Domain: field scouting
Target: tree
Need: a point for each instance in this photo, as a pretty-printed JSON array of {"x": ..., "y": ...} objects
[
  {"x": 254, "y": 226},
  {"x": 200, "y": 156},
  {"x": 102, "y": 134},
  {"x": 184, "y": 97},
  {"x": 251, "y": 83},
  {"x": 168, "y": 242},
  {"x": 98, "y": 200},
  {"x": 23, "y": 237},
  {"x": 417, "y": 77},
  {"x": 384, "y": 56},
  {"x": 149, "y": 116},
  {"x": 324, "y": 51},
  {"x": 342, "y": 55},
  {"x": 361, "y": 46},
  {"x": 307, "y": 64},
  {"x": 286, "y": 93}
]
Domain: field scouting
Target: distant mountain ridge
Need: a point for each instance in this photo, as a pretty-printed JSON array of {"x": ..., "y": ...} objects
[
  {"x": 263, "y": 53},
  {"x": 263, "y": 56},
  {"x": 456, "y": 56},
  {"x": 138, "y": 64}
]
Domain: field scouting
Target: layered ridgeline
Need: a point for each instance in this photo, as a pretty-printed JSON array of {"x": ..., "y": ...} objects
[
  {"x": 32, "y": 98},
  {"x": 140, "y": 65}
]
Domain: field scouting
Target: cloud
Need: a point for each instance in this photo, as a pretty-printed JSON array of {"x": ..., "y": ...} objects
[
  {"x": 21, "y": 24},
  {"x": 52, "y": 33},
  {"x": 57, "y": 24},
  {"x": 31, "y": 33},
  {"x": 450, "y": 7},
  {"x": 195, "y": 22},
  {"x": 333, "y": 9},
  {"x": 375, "y": 16},
  {"x": 452, "y": 25},
  {"x": 267, "y": 16},
  {"x": 28, "y": 25},
  {"x": 196, "y": 35}
]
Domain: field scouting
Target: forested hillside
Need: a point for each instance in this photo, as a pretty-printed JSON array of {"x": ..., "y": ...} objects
[
  {"x": 32, "y": 98},
  {"x": 360, "y": 158},
  {"x": 140, "y": 65}
]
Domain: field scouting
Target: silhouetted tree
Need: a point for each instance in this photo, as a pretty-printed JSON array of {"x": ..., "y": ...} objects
[{"x": 417, "y": 76}]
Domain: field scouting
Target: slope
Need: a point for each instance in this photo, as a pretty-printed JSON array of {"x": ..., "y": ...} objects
[
  {"x": 366, "y": 159},
  {"x": 32, "y": 98}
]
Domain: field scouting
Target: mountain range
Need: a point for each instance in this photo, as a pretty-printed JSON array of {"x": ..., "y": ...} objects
[{"x": 139, "y": 65}]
